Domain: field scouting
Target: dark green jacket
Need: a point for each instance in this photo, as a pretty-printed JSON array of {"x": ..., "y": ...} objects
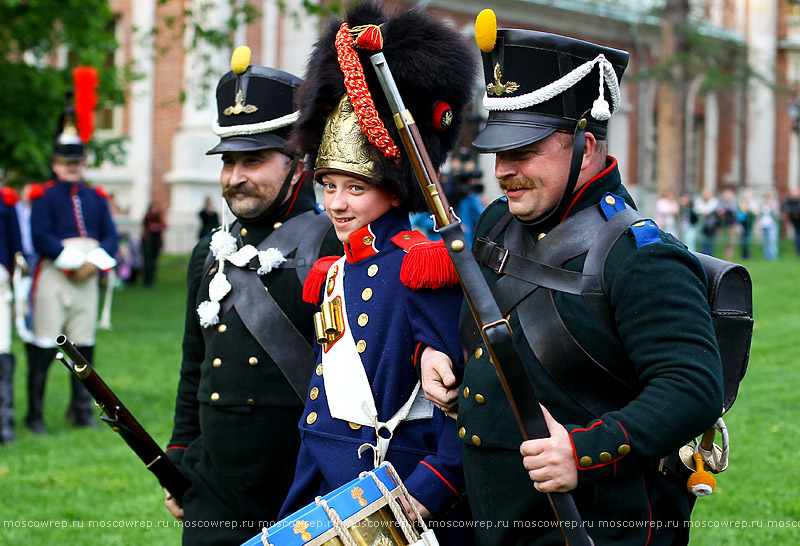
[
  {"x": 658, "y": 295},
  {"x": 235, "y": 434}
]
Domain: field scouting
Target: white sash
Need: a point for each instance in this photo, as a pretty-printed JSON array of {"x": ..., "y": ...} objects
[{"x": 347, "y": 388}]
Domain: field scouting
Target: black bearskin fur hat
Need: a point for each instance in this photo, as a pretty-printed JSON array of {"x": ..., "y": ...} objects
[{"x": 431, "y": 61}]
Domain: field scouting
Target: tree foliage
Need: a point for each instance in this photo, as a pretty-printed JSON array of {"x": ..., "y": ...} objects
[
  {"x": 33, "y": 86},
  {"x": 35, "y": 36}
]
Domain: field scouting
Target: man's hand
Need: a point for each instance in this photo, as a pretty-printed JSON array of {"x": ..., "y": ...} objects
[
  {"x": 550, "y": 462},
  {"x": 438, "y": 380},
  {"x": 83, "y": 273},
  {"x": 420, "y": 508},
  {"x": 172, "y": 505}
]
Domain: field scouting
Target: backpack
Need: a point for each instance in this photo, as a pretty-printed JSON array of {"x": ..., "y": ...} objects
[{"x": 730, "y": 300}]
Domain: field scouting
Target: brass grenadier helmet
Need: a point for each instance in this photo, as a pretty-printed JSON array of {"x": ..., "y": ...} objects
[
  {"x": 256, "y": 107},
  {"x": 345, "y": 122},
  {"x": 538, "y": 83},
  {"x": 76, "y": 123}
]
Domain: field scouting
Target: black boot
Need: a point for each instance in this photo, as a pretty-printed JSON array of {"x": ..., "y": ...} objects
[
  {"x": 81, "y": 407},
  {"x": 39, "y": 360},
  {"x": 7, "y": 399}
]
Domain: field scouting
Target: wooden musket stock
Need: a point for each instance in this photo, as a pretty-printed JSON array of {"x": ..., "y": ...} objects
[{"x": 117, "y": 416}]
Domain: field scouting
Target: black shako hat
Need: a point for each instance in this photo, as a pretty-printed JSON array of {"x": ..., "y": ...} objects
[
  {"x": 435, "y": 70},
  {"x": 68, "y": 145},
  {"x": 76, "y": 122},
  {"x": 256, "y": 107},
  {"x": 537, "y": 83}
]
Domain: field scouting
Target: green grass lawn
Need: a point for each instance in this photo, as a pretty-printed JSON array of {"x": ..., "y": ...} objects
[{"x": 86, "y": 487}]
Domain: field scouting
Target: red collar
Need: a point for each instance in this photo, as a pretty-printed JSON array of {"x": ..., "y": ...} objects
[{"x": 361, "y": 245}]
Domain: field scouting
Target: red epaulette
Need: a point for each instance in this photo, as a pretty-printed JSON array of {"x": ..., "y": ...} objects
[
  {"x": 312, "y": 288},
  {"x": 426, "y": 264},
  {"x": 37, "y": 190},
  {"x": 101, "y": 192},
  {"x": 9, "y": 196}
]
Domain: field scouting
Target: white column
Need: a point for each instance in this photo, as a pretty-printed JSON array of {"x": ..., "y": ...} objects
[
  {"x": 710, "y": 164},
  {"x": 194, "y": 175},
  {"x": 140, "y": 148},
  {"x": 270, "y": 24},
  {"x": 760, "y": 134},
  {"x": 297, "y": 38}
]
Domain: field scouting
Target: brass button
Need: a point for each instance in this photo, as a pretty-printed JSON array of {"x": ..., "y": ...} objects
[
  {"x": 372, "y": 270},
  {"x": 217, "y": 362},
  {"x": 610, "y": 200},
  {"x": 366, "y": 294},
  {"x": 480, "y": 399},
  {"x": 222, "y": 328},
  {"x": 361, "y": 346},
  {"x": 363, "y": 319},
  {"x": 457, "y": 245},
  {"x": 476, "y": 440},
  {"x": 585, "y": 461},
  {"x": 251, "y": 402},
  {"x": 276, "y": 225},
  {"x": 354, "y": 426},
  {"x": 311, "y": 418},
  {"x": 314, "y": 393},
  {"x": 479, "y": 352},
  {"x": 214, "y": 396},
  {"x": 319, "y": 369},
  {"x": 368, "y": 240},
  {"x": 253, "y": 361},
  {"x": 462, "y": 432},
  {"x": 605, "y": 457},
  {"x": 541, "y": 236},
  {"x": 624, "y": 449},
  {"x": 243, "y": 232},
  {"x": 466, "y": 392},
  {"x": 406, "y": 237}
]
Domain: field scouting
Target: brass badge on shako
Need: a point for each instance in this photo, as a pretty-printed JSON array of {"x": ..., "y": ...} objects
[
  {"x": 240, "y": 106},
  {"x": 498, "y": 88}
]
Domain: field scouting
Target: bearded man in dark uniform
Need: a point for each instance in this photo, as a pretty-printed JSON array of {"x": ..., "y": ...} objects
[
  {"x": 625, "y": 379},
  {"x": 247, "y": 356}
]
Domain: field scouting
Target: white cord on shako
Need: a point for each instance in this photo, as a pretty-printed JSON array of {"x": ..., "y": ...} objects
[{"x": 600, "y": 108}]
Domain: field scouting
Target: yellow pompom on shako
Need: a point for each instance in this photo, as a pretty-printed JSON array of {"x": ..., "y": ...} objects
[
  {"x": 486, "y": 30},
  {"x": 240, "y": 59}
]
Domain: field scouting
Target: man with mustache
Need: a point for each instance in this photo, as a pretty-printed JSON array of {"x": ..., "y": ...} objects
[
  {"x": 626, "y": 375},
  {"x": 247, "y": 356}
]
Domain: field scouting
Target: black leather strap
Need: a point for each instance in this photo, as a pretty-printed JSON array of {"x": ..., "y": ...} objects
[
  {"x": 592, "y": 286},
  {"x": 272, "y": 329},
  {"x": 587, "y": 381}
]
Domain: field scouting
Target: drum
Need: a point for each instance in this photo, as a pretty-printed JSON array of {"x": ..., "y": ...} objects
[{"x": 363, "y": 512}]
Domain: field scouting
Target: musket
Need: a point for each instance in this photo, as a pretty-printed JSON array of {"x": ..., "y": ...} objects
[
  {"x": 121, "y": 421},
  {"x": 494, "y": 328}
]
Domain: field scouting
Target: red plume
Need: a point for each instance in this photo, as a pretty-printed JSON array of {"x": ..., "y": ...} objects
[{"x": 85, "y": 80}]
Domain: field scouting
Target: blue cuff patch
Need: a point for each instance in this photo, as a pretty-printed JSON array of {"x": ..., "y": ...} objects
[
  {"x": 645, "y": 233},
  {"x": 611, "y": 204},
  {"x": 320, "y": 207}
]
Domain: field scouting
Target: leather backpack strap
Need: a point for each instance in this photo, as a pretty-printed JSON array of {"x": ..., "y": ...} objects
[{"x": 591, "y": 384}]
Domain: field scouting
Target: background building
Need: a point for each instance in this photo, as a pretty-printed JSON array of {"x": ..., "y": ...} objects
[{"x": 702, "y": 132}]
